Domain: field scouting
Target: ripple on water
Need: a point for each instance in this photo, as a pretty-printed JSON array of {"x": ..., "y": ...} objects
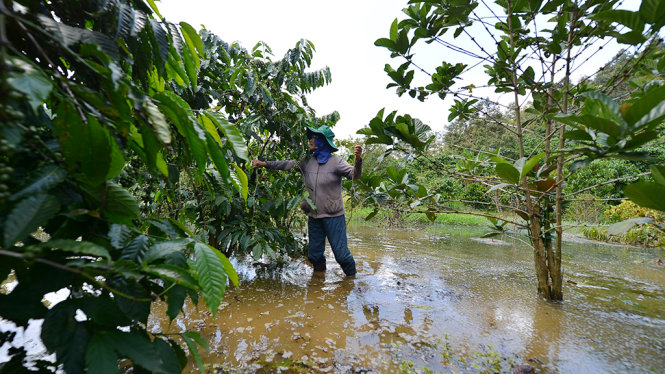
[{"x": 419, "y": 294}]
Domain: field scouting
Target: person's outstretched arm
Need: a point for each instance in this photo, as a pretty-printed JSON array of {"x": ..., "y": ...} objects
[
  {"x": 276, "y": 165},
  {"x": 355, "y": 171}
]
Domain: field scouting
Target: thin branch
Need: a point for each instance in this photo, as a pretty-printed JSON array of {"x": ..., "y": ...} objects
[
  {"x": 606, "y": 182},
  {"x": 74, "y": 271}
]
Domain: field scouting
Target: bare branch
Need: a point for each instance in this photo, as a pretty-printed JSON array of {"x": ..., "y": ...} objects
[{"x": 606, "y": 182}]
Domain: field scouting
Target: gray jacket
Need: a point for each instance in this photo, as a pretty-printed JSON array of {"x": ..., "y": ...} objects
[{"x": 324, "y": 183}]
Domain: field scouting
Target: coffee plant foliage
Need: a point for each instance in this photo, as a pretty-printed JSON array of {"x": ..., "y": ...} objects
[{"x": 125, "y": 140}]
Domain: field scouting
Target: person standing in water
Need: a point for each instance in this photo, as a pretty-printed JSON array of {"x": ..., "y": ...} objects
[{"x": 323, "y": 173}]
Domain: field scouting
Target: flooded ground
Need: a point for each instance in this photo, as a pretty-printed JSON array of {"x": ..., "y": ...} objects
[{"x": 437, "y": 299}]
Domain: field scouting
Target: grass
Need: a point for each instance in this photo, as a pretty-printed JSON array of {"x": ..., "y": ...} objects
[{"x": 415, "y": 219}]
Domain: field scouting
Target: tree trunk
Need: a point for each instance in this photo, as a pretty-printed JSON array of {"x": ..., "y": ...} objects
[{"x": 540, "y": 260}]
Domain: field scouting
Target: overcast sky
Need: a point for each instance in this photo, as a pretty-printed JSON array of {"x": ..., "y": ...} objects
[{"x": 343, "y": 33}]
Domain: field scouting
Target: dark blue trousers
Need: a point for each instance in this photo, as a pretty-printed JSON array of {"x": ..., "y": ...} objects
[{"x": 334, "y": 228}]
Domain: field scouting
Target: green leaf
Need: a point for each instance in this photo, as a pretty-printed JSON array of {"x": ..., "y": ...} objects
[
  {"x": 180, "y": 353},
  {"x": 117, "y": 161},
  {"x": 232, "y": 134},
  {"x": 658, "y": 173},
  {"x": 121, "y": 207},
  {"x": 158, "y": 121},
  {"x": 210, "y": 127},
  {"x": 176, "y": 109},
  {"x": 72, "y": 352},
  {"x": 154, "y": 8},
  {"x": 652, "y": 10},
  {"x": 642, "y": 108},
  {"x": 31, "y": 81},
  {"x": 198, "y": 339},
  {"x": 100, "y": 357},
  {"x": 169, "y": 356},
  {"x": 193, "y": 37},
  {"x": 191, "y": 63},
  {"x": 136, "y": 249},
  {"x": 27, "y": 216},
  {"x": 531, "y": 163},
  {"x": 601, "y": 105},
  {"x": 646, "y": 194},
  {"x": 577, "y": 135},
  {"x": 257, "y": 251},
  {"x": 135, "y": 308},
  {"x": 173, "y": 273},
  {"x": 656, "y": 114},
  {"x": 622, "y": 227},
  {"x": 393, "y": 31},
  {"x": 67, "y": 337},
  {"x": 387, "y": 43},
  {"x": 372, "y": 214},
  {"x": 240, "y": 181},
  {"x": 103, "y": 311},
  {"x": 579, "y": 164},
  {"x": 624, "y": 17},
  {"x": 508, "y": 172},
  {"x": 150, "y": 144},
  {"x": 138, "y": 347},
  {"x": 119, "y": 235},
  {"x": 604, "y": 125},
  {"x": 161, "y": 165},
  {"x": 212, "y": 277},
  {"x": 95, "y": 151},
  {"x": 86, "y": 147},
  {"x": 197, "y": 146},
  {"x": 80, "y": 247},
  {"x": 44, "y": 180},
  {"x": 175, "y": 299},
  {"x": 217, "y": 157},
  {"x": 164, "y": 249},
  {"x": 228, "y": 268},
  {"x": 194, "y": 351},
  {"x": 640, "y": 139}
]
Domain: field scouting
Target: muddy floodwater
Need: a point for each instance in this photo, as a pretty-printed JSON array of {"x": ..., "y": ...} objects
[{"x": 439, "y": 299}]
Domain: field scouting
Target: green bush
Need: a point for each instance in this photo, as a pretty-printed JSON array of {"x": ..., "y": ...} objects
[
  {"x": 642, "y": 235},
  {"x": 628, "y": 209},
  {"x": 600, "y": 171}
]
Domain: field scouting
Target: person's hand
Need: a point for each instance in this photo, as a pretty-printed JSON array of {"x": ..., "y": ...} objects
[
  {"x": 358, "y": 151},
  {"x": 256, "y": 164}
]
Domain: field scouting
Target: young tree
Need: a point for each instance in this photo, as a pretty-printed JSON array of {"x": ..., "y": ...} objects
[{"x": 529, "y": 51}]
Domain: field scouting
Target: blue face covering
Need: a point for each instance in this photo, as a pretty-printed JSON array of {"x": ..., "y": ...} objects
[{"x": 323, "y": 150}]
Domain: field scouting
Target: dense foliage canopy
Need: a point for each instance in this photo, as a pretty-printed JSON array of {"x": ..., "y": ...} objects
[{"x": 124, "y": 146}]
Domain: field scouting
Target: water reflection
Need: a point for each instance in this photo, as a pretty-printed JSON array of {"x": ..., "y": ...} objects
[{"x": 420, "y": 293}]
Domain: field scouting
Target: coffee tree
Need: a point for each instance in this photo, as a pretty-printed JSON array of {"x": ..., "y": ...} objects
[
  {"x": 531, "y": 50},
  {"x": 114, "y": 122}
]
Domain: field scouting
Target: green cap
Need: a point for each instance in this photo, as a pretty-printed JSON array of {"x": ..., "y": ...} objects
[{"x": 325, "y": 131}]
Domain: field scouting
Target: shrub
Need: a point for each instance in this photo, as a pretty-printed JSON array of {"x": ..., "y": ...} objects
[
  {"x": 643, "y": 235},
  {"x": 627, "y": 210}
]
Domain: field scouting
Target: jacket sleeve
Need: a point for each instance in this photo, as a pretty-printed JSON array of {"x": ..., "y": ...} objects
[
  {"x": 281, "y": 165},
  {"x": 351, "y": 172}
]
